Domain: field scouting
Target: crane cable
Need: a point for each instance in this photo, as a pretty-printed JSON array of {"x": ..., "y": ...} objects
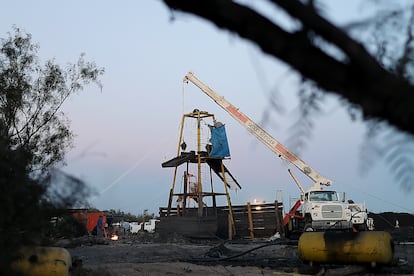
[{"x": 182, "y": 98}]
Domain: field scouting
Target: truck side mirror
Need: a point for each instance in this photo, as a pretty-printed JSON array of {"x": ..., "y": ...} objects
[
  {"x": 302, "y": 197},
  {"x": 343, "y": 197}
]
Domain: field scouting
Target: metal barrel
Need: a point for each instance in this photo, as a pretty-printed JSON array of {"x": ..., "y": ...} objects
[
  {"x": 44, "y": 261},
  {"x": 368, "y": 247}
]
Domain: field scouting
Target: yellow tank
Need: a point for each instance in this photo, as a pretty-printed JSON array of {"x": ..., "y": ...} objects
[
  {"x": 45, "y": 261},
  {"x": 368, "y": 247}
]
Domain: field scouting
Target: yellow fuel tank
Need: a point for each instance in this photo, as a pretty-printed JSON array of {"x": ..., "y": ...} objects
[
  {"x": 368, "y": 247},
  {"x": 34, "y": 261}
]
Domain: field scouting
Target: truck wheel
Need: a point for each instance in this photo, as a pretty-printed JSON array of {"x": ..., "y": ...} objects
[
  {"x": 362, "y": 227},
  {"x": 308, "y": 223},
  {"x": 308, "y": 228}
]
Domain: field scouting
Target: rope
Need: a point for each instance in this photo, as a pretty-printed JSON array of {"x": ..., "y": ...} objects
[{"x": 182, "y": 98}]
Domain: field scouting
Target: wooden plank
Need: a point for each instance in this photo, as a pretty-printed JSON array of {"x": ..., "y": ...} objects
[
  {"x": 249, "y": 214},
  {"x": 278, "y": 218},
  {"x": 230, "y": 228}
]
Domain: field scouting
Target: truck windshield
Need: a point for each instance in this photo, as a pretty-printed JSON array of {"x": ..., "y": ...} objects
[{"x": 323, "y": 196}]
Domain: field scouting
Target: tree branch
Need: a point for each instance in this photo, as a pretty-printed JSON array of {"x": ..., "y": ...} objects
[
  {"x": 408, "y": 48},
  {"x": 361, "y": 79}
]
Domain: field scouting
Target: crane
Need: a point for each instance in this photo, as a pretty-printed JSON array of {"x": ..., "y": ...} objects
[
  {"x": 320, "y": 209},
  {"x": 260, "y": 133}
]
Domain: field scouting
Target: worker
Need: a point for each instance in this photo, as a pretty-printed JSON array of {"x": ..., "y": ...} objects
[
  {"x": 127, "y": 228},
  {"x": 99, "y": 228},
  {"x": 105, "y": 230}
]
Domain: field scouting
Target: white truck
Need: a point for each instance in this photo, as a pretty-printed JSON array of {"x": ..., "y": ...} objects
[
  {"x": 317, "y": 209},
  {"x": 149, "y": 226},
  {"x": 146, "y": 226},
  {"x": 135, "y": 227}
]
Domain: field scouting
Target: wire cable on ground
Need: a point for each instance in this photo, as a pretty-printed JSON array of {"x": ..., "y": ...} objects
[{"x": 237, "y": 255}]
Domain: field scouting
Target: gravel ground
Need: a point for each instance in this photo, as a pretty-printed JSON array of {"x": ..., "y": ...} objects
[{"x": 146, "y": 255}]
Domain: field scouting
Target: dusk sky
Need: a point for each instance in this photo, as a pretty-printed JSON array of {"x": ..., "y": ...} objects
[{"x": 124, "y": 132}]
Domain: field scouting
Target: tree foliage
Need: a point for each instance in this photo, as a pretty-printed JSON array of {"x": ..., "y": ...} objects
[
  {"x": 354, "y": 73},
  {"x": 32, "y": 96},
  {"x": 34, "y": 136},
  {"x": 145, "y": 216}
]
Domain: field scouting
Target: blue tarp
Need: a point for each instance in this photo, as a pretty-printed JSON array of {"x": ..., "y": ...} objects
[{"x": 220, "y": 146}]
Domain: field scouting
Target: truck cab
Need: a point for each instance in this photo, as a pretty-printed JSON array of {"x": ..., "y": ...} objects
[
  {"x": 323, "y": 210},
  {"x": 322, "y": 196}
]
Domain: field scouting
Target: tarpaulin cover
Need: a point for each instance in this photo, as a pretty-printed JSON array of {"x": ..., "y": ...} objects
[
  {"x": 220, "y": 146},
  {"x": 90, "y": 219}
]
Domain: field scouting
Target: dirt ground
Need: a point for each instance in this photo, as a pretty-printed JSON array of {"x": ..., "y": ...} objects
[{"x": 145, "y": 254}]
